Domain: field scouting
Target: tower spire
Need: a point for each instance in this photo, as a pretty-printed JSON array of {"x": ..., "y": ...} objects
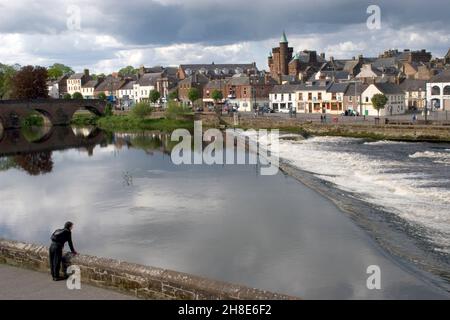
[{"x": 283, "y": 38}]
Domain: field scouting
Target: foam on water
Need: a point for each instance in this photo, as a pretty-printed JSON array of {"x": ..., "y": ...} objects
[{"x": 390, "y": 181}]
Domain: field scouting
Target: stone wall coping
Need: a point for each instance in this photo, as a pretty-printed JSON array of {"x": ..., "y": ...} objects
[{"x": 177, "y": 281}]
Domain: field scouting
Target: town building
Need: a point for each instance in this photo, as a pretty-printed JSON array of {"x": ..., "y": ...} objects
[
  {"x": 76, "y": 81},
  {"x": 415, "y": 93},
  {"x": 57, "y": 88},
  {"x": 438, "y": 91},
  {"x": 197, "y": 80},
  {"x": 87, "y": 89},
  {"x": 394, "y": 94},
  {"x": 283, "y": 98},
  {"x": 109, "y": 86},
  {"x": 279, "y": 58},
  {"x": 352, "y": 96}
]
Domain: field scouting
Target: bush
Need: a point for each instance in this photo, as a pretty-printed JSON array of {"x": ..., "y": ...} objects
[
  {"x": 174, "y": 109},
  {"x": 101, "y": 96},
  {"x": 33, "y": 120},
  {"x": 108, "y": 110},
  {"x": 77, "y": 96},
  {"x": 141, "y": 110},
  {"x": 67, "y": 96}
]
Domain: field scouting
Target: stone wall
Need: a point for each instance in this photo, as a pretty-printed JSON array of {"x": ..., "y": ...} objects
[
  {"x": 388, "y": 132},
  {"x": 133, "y": 279}
]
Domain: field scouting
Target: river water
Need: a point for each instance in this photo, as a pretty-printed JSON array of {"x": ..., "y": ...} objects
[{"x": 227, "y": 222}]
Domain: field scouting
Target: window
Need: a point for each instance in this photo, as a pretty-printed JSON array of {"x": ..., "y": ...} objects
[
  {"x": 333, "y": 96},
  {"x": 319, "y": 95},
  {"x": 276, "y": 97},
  {"x": 300, "y": 96},
  {"x": 290, "y": 97},
  {"x": 309, "y": 95},
  {"x": 350, "y": 98},
  {"x": 367, "y": 99}
]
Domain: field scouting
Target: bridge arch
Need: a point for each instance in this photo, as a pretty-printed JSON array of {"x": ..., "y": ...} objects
[{"x": 42, "y": 112}]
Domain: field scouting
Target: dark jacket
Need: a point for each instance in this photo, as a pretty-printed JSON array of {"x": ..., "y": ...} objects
[{"x": 61, "y": 236}]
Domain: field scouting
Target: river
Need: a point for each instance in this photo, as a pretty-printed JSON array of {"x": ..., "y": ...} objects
[{"x": 227, "y": 222}]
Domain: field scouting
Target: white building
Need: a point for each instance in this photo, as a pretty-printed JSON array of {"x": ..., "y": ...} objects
[
  {"x": 438, "y": 91},
  {"x": 143, "y": 86},
  {"x": 283, "y": 97},
  {"x": 395, "y": 95},
  {"x": 76, "y": 81},
  {"x": 87, "y": 89}
]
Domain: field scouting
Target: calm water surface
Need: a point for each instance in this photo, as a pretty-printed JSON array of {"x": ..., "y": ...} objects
[{"x": 130, "y": 202}]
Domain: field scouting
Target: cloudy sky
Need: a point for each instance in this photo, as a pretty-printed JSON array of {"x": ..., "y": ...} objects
[{"x": 104, "y": 35}]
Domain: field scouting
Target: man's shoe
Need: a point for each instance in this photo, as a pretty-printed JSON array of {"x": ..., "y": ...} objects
[{"x": 58, "y": 279}]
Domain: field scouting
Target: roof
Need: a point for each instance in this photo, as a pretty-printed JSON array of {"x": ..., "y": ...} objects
[
  {"x": 283, "y": 38},
  {"x": 109, "y": 83},
  {"x": 90, "y": 84},
  {"x": 319, "y": 85},
  {"x": 285, "y": 88},
  {"x": 337, "y": 87},
  {"x": 128, "y": 85},
  {"x": 195, "y": 78},
  {"x": 444, "y": 76},
  {"x": 148, "y": 79},
  {"x": 360, "y": 87},
  {"x": 389, "y": 88},
  {"x": 76, "y": 76},
  {"x": 212, "y": 68},
  {"x": 413, "y": 85}
]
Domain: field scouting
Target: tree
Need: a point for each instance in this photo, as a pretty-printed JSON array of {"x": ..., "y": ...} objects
[
  {"x": 379, "y": 102},
  {"x": 128, "y": 71},
  {"x": 57, "y": 70},
  {"x": 173, "y": 95},
  {"x": 7, "y": 73},
  {"x": 30, "y": 83},
  {"x": 101, "y": 96},
  {"x": 67, "y": 96},
  {"x": 193, "y": 95},
  {"x": 77, "y": 96},
  {"x": 217, "y": 96},
  {"x": 154, "y": 96},
  {"x": 141, "y": 110}
]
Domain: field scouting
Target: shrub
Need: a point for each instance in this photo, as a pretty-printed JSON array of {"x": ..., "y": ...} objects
[
  {"x": 141, "y": 110},
  {"x": 77, "y": 96}
]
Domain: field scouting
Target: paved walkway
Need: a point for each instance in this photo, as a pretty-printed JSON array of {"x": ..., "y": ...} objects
[{"x": 23, "y": 284}]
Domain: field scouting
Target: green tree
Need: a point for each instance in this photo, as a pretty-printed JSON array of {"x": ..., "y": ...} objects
[
  {"x": 128, "y": 71},
  {"x": 77, "y": 96},
  {"x": 108, "y": 110},
  {"x": 193, "y": 95},
  {"x": 67, "y": 96},
  {"x": 57, "y": 70},
  {"x": 217, "y": 96},
  {"x": 141, "y": 110},
  {"x": 175, "y": 109},
  {"x": 173, "y": 95},
  {"x": 154, "y": 96},
  {"x": 7, "y": 73},
  {"x": 101, "y": 96},
  {"x": 379, "y": 102},
  {"x": 30, "y": 83}
]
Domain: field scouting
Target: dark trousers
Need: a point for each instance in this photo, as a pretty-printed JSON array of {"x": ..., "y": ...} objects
[{"x": 55, "y": 255}]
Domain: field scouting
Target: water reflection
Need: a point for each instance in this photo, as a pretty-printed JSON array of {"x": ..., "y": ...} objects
[{"x": 225, "y": 222}]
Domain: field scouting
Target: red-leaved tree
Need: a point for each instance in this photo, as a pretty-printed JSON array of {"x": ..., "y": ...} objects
[{"x": 30, "y": 83}]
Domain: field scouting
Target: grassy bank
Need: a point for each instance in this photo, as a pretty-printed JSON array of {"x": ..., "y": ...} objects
[{"x": 129, "y": 123}]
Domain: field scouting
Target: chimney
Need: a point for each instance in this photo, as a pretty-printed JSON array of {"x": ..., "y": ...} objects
[
  {"x": 86, "y": 72},
  {"x": 322, "y": 55}
]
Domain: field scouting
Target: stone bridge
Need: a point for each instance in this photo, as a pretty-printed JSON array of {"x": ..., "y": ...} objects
[
  {"x": 58, "y": 111},
  {"x": 13, "y": 142}
]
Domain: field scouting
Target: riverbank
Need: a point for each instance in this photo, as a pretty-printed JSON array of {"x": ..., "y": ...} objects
[
  {"x": 413, "y": 133},
  {"x": 129, "y": 123}
]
